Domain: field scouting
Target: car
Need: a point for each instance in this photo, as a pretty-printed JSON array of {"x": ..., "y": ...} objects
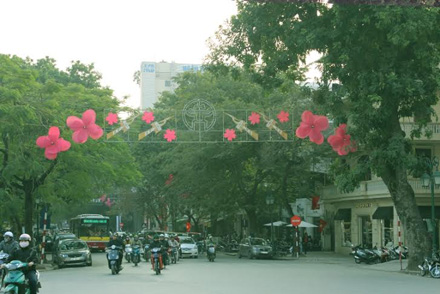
[
  {"x": 254, "y": 248},
  {"x": 72, "y": 252},
  {"x": 188, "y": 247},
  {"x": 61, "y": 236}
]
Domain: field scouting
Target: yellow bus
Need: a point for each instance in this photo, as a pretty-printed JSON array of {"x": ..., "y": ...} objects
[{"x": 93, "y": 229}]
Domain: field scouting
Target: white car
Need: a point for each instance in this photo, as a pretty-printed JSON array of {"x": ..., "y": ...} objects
[{"x": 188, "y": 247}]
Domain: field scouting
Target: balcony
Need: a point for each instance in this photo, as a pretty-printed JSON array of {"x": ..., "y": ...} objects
[
  {"x": 375, "y": 189},
  {"x": 407, "y": 127}
]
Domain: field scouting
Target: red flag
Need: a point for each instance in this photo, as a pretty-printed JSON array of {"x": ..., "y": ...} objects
[
  {"x": 169, "y": 180},
  {"x": 322, "y": 224},
  {"x": 315, "y": 202},
  {"x": 188, "y": 226}
]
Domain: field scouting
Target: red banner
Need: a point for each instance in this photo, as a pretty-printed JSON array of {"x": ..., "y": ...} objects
[
  {"x": 322, "y": 224},
  {"x": 315, "y": 202}
]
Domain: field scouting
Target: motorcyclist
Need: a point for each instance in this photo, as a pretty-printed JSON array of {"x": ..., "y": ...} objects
[
  {"x": 117, "y": 242},
  {"x": 165, "y": 245},
  {"x": 136, "y": 241},
  {"x": 174, "y": 244},
  {"x": 27, "y": 254},
  {"x": 8, "y": 245},
  {"x": 157, "y": 243}
]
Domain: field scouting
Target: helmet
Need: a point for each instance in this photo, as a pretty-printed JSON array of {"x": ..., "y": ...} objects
[
  {"x": 25, "y": 237},
  {"x": 161, "y": 235},
  {"x": 8, "y": 234},
  {"x": 166, "y": 235},
  {"x": 156, "y": 237}
]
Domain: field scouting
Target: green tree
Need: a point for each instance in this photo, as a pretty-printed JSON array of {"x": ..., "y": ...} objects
[
  {"x": 385, "y": 59},
  {"x": 34, "y": 97}
]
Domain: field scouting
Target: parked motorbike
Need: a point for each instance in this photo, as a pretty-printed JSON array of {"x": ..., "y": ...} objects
[
  {"x": 364, "y": 255},
  {"x": 15, "y": 278},
  {"x": 156, "y": 260},
  {"x": 211, "y": 253},
  {"x": 128, "y": 251},
  {"x": 136, "y": 254},
  {"x": 113, "y": 258},
  {"x": 431, "y": 265}
]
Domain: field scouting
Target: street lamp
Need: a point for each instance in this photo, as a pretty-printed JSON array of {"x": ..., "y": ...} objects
[
  {"x": 269, "y": 201},
  {"x": 431, "y": 179}
]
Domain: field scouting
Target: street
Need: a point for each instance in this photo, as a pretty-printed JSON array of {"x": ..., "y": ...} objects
[{"x": 228, "y": 274}]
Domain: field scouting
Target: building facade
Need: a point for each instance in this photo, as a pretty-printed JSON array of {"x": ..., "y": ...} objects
[
  {"x": 367, "y": 216},
  {"x": 157, "y": 77}
]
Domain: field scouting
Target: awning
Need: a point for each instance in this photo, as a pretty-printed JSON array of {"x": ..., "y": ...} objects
[
  {"x": 425, "y": 212},
  {"x": 304, "y": 224},
  {"x": 386, "y": 212},
  {"x": 343, "y": 214},
  {"x": 276, "y": 224}
]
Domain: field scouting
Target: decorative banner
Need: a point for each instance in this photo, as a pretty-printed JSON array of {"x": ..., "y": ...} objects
[
  {"x": 315, "y": 202},
  {"x": 271, "y": 124},
  {"x": 312, "y": 126},
  {"x": 283, "y": 116},
  {"x": 322, "y": 224},
  {"x": 85, "y": 127},
  {"x": 229, "y": 134},
  {"x": 155, "y": 127},
  {"x": 111, "y": 118},
  {"x": 124, "y": 127},
  {"x": 52, "y": 143},
  {"x": 254, "y": 118},
  {"x": 241, "y": 126}
]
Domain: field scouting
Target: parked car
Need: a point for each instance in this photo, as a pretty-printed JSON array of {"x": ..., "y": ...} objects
[
  {"x": 255, "y": 247},
  {"x": 188, "y": 247},
  {"x": 72, "y": 252}
]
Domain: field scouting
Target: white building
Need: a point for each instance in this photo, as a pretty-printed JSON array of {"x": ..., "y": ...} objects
[{"x": 156, "y": 77}]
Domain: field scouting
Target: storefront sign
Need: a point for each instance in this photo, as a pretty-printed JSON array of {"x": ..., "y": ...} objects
[{"x": 364, "y": 205}]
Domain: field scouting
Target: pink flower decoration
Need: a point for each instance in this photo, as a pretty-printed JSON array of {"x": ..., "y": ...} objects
[
  {"x": 254, "y": 118},
  {"x": 283, "y": 116},
  {"x": 53, "y": 143},
  {"x": 108, "y": 203},
  {"x": 170, "y": 135},
  {"x": 230, "y": 134},
  {"x": 85, "y": 127},
  {"x": 312, "y": 126},
  {"x": 148, "y": 117},
  {"x": 341, "y": 142},
  {"x": 112, "y": 118},
  {"x": 102, "y": 198}
]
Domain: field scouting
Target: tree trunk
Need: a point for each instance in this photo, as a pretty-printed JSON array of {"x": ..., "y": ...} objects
[
  {"x": 252, "y": 220},
  {"x": 416, "y": 236},
  {"x": 28, "y": 210}
]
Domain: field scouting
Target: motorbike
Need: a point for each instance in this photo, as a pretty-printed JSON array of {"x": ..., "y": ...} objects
[
  {"x": 211, "y": 253},
  {"x": 128, "y": 251},
  {"x": 136, "y": 254},
  {"x": 156, "y": 260},
  {"x": 364, "y": 255},
  {"x": 113, "y": 258},
  {"x": 174, "y": 255},
  {"x": 431, "y": 265},
  {"x": 147, "y": 252},
  {"x": 15, "y": 278},
  {"x": 3, "y": 258}
]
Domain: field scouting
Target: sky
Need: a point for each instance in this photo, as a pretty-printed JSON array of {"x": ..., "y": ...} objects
[{"x": 116, "y": 36}]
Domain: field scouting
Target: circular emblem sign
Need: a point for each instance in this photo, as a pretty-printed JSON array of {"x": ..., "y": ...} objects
[
  {"x": 199, "y": 115},
  {"x": 295, "y": 220}
]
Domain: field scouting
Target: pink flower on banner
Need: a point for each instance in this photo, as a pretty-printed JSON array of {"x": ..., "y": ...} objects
[
  {"x": 102, "y": 198},
  {"x": 112, "y": 118},
  {"x": 53, "y": 143},
  {"x": 170, "y": 135},
  {"x": 230, "y": 134},
  {"x": 283, "y": 116},
  {"x": 311, "y": 126},
  {"x": 85, "y": 127},
  {"x": 148, "y": 117},
  {"x": 254, "y": 118},
  {"x": 108, "y": 203},
  {"x": 341, "y": 142}
]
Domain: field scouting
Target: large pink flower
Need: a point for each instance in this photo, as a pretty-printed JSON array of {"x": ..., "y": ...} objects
[
  {"x": 85, "y": 127},
  {"x": 311, "y": 126},
  {"x": 53, "y": 143},
  {"x": 341, "y": 142}
]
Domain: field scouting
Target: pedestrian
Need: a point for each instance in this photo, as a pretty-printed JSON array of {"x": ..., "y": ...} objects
[{"x": 305, "y": 242}]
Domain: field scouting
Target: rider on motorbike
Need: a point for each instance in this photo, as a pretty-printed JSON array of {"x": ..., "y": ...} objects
[
  {"x": 165, "y": 246},
  {"x": 8, "y": 245},
  {"x": 117, "y": 242},
  {"x": 136, "y": 241},
  {"x": 157, "y": 243},
  {"x": 27, "y": 254}
]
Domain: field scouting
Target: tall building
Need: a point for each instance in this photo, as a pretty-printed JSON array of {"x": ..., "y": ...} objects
[{"x": 156, "y": 77}]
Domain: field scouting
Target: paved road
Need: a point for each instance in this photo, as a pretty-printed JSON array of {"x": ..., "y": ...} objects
[{"x": 229, "y": 274}]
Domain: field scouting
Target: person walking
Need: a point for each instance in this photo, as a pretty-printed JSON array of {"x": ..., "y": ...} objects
[{"x": 305, "y": 242}]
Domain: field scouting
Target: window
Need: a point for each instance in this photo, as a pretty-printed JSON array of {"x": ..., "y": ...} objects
[{"x": 167, "y": 83}]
